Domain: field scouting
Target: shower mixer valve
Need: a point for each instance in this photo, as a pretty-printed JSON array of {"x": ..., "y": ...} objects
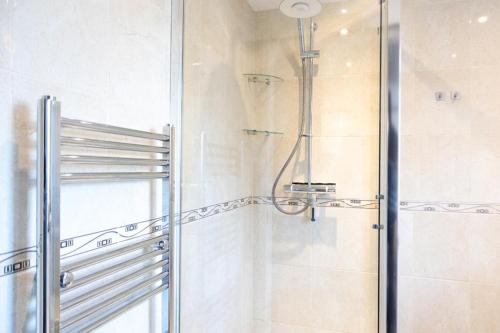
[
  {"x": 313, "y": 190},
  {"x": 310, "y": 54}
]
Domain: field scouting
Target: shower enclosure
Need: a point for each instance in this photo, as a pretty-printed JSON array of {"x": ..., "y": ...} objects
[{"x": 284, "y": 158}]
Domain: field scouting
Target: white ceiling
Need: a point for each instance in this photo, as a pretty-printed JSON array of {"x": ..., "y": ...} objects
[
  {"x": 264, "y": 4},
  {"x": 259, "y": 5}
]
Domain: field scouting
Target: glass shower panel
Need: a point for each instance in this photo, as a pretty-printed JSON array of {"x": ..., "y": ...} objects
[
  {"x": 322, "y": 274},
  {"x": 246, "y": 266}
]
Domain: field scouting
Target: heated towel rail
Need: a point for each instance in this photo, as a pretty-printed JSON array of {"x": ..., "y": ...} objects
[{"x": 112, "y": 281}]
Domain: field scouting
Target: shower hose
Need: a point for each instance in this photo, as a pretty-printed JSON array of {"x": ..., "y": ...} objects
[{"x": 294, "y": 150}]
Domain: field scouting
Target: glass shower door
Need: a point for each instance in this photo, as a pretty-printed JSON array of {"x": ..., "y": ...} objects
[{"x": 247, "y": 266}]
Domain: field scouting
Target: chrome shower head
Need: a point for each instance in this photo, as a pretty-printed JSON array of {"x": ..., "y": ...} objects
[{"x": 301, "y": 8}]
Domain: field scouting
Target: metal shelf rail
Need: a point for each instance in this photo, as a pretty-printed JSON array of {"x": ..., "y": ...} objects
[{"x": 83, "y": 294}]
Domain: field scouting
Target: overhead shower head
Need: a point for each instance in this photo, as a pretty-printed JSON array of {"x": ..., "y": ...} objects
[{"x": 301, "y": 8}]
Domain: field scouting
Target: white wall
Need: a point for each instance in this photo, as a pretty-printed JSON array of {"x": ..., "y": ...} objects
[
  {"x": 106, "y": 61},
  {"x": 449, "y": 240}
]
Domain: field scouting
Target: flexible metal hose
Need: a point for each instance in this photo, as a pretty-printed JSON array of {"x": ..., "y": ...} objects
[{"x": 295, "y": 148}]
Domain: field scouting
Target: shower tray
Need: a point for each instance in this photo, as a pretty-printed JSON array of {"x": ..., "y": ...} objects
[{"x": 313, "y": 188}]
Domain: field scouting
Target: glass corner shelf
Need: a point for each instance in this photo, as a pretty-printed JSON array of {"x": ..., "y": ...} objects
[
  {"x": 263, "y": 78},
  {"x": 259, "y": 132}
]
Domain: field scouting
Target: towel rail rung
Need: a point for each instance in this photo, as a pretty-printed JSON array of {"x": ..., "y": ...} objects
[
  {"x": 115, "y": 145},
  {"x": 103, "y": 128},
  {"x": 68, "y": 177},
  {"x": 106, "y": 160}
]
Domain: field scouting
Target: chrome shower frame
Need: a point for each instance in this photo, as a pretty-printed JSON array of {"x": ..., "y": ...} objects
[
  {"x": 176, "y": 105},
  {"x": 390, "y": 90}
]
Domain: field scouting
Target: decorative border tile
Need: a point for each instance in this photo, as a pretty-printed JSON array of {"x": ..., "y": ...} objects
[
  {"x": 204, "y": 212},
  {"x": 321, "y": 202},
  {"x": 17, "y": 261},
  {"x": 450, "y": 207},
  {"x": 21, "y": 260},
  {"x": 24, "y": 259}
]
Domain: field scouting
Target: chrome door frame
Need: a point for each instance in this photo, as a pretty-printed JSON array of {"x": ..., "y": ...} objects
[
  {"x": 176, "y": 98},
  {"x": 389, "y": 165}
]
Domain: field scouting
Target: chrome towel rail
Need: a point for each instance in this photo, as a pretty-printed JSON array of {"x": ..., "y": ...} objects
[{"x": 119, "y": 278}]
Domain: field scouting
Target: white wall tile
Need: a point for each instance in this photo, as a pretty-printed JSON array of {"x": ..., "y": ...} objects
[
  {"x": 292, "y": 295},
  {"x": 432, "y": 306},
  {"x": 435, "y": 245},
  {"x": 484, "y": 308},
  {"x": 344, "y": 301}
]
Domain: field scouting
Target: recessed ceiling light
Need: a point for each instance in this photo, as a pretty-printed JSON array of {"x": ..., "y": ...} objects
[
  {"x": 343, "y": 11},
  {"x": 344, "y": 31},
  {"x": 348, "y": 64},
  {"x": 482, "y": 19}
]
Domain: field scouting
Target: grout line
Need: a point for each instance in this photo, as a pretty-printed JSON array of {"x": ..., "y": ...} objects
[
  {"x": 429, "y": 278},
  {"x": 373, "y": 274}
]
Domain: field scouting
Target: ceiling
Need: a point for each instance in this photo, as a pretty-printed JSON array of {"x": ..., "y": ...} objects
[
  {"x": 264, "y": 4},
  {"x": 259, "y": 5}
]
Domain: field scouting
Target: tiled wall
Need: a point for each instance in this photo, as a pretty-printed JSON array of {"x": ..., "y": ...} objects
[
  {"x": 106, "y": 61},
  {"x": 319, "y": 277},
  {"x": 217, "y": 272},
  {"x": 450, "y": 224}
]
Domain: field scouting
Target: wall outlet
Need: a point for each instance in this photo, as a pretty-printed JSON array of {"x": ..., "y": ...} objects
[{"x": 439, "y": 95}]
